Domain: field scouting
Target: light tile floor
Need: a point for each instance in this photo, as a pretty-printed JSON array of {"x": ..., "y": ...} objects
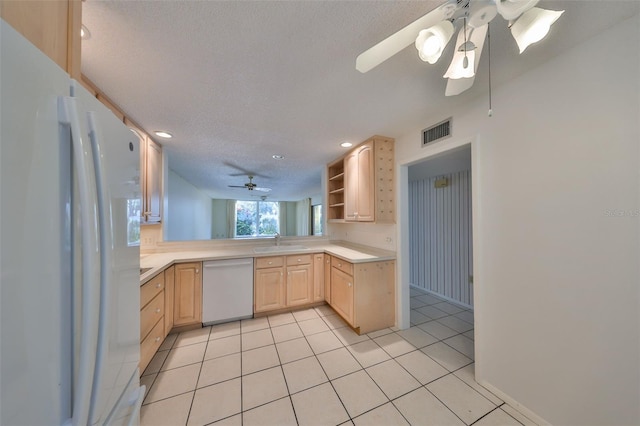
[{"x": 309, "y": 368}]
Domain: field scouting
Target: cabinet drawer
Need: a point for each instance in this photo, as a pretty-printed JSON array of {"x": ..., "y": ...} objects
[
  {"x": 150, "y": 314},
  {"x": 342, "y": 265},
  {"x": 299, "y": 259},
  {"x": 150, "y": 345},
  {"x": 149, "y": 290},
  {"x": 269, "y": 262}
]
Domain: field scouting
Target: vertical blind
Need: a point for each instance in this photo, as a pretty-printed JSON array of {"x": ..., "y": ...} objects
[{"x": 440, "y": 236}]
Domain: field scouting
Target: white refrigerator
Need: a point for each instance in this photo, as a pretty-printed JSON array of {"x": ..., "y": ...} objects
[{"x": 69, "y": 255}]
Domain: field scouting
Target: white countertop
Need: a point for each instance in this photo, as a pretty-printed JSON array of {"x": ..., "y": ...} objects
[{"x": 349, "y": 252}]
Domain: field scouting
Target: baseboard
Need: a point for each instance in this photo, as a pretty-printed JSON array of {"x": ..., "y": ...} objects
[
  {"x": 448, "y": 299},
  {"x": 515, "y": 404}
]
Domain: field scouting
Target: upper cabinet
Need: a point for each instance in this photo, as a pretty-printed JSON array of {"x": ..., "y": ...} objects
[
  {"x": 361, "y": 184},
  {"x": 52, "y": 26},
  {"x": 150, "y": 176}
]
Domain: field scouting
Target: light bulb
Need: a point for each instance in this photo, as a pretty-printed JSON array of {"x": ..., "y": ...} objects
[{"x": 432, "y": 41}]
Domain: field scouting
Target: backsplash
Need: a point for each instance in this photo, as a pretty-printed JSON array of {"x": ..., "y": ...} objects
[{"x": 382, "y": 236}]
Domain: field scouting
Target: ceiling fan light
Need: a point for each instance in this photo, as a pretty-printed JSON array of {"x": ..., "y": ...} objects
[
  {"x": 533, "y": 26},
  {"x": 432, "y": 41}
]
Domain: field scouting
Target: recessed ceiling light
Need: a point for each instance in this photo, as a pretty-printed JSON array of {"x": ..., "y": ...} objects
[
  {"x": 278, "y": 157},
  {"x": 84, "y": 33},
  {"x": 346, "y": 144},
  {"x": 163, "y": 134}
]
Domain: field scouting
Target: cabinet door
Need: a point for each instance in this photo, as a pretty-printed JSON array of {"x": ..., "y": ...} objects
[
  {"x": 169, "y": 291},
  {"x": 318, "y": 277},
  {"x": 351, "y": 186},
  {"x": 299, "y": 285},
  {"x": 153, "y": 182},
  {"x": 327, "y": 278},
  {"x": 269, "y": 289},
  {"x": 188, "y": 294},
  {"x": 366, "y": 182},
  {"x": 342, "y": 294}
]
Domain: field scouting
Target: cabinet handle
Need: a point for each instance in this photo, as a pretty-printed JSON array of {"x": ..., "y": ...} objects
[
  {"x": 340, "y": 265},
  {"x": 270, "y": 263},
  {"x": 159, "y": 285},
  {"x": 349, "y": 284},
  {"x": 157, "y": 310},
  {"x": 299, "y": 260},
  {"x": 158, "y": 339},
  {"x": 327, "y": 261},
  {"x": 197, "y": 271}
]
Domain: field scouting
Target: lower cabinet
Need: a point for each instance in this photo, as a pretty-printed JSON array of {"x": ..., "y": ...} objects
[
  {"x": 187, "y": 294},
  {"x": 269, "y": 289},
  {"x": 283, "y": 281},
  {"x": 364, "y": 293},
  {"x": 318, "y": 277},
  {"x": 169, "y": 292},
  {"x": 152, "y": 313}
]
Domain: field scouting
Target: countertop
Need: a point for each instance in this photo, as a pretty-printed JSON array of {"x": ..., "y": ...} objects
[{"x": 157, "y": 262}]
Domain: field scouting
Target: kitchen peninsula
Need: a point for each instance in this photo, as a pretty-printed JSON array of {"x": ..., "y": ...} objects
[{"x": 358, "y": 282}]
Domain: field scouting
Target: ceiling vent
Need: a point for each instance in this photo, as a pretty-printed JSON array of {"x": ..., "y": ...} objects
[{"x": 436, "y": 132}]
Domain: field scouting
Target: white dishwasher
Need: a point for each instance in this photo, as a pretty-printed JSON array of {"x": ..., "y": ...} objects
[{"x": 227, "y": 290}]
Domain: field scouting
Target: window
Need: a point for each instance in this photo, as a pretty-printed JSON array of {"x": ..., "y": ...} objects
[
  {"x": 257, "y": 218},
  {"x": 316, "y": 219}
]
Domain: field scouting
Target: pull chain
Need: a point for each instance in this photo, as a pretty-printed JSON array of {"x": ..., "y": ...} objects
[{"x": 489, "y": 52}]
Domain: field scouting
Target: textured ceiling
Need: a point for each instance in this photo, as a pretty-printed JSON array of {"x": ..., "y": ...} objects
[{"x": 238, "y": 81}]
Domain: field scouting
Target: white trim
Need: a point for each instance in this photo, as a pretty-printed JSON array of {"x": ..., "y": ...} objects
[{"x": 515, "y": 404}]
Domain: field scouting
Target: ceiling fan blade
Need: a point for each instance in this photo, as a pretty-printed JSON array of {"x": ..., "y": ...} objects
[
  {"x": 459, "y": 85},
  {"x": 236, "y": 186},
  {"x": 242, "y": 171},
  {"x": 393, "y": 44},
  {"x": 262, "y": 189}
]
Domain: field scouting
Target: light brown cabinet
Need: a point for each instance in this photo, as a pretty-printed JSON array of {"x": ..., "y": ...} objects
[
  {"x": 358, "y": 177},
  {"x": 150, "y": 176},
  {"x": 269, "y": 289},
  {"x": 327, "y": 278},
  {"x": 169, "y": 293},
  {"x": 361, "y": 184},
  {"x": 52, "y": 26},
  {"x": 318, "y": 277},
  {"x": 335, "y": 187},
  {"x": 283, "y": 281},
  {"x": 152, "y": 310},
  {"x": 152, "y": 201},
  {"x": 187, "y": 294},
  {"x": 363, "y": 294}
]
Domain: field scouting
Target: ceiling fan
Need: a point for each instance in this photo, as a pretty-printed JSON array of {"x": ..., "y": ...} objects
[
  {"x": 251, "y": 186},
  {"x": 432, "y": 32}
]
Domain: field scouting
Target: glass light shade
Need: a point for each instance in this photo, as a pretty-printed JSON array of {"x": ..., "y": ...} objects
[
  {"x": 432, "y": 41},
  {"x": 457, "y": 69},
  {"x": 533, "y": 26}
]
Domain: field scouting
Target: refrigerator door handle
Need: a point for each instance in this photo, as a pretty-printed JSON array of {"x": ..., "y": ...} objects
[
  {"x": 105, "y": 242},
  {"x": 135, "y": 415},
  {"x": 82, "y": 155}
]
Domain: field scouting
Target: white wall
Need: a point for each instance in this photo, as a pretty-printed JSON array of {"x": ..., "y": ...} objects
[
  {"x": 219, "y": 214},
  {"x": 189, "y": 211},
  {"x": 556, "y": 193}
]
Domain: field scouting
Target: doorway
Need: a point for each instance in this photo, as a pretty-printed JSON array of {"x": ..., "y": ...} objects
[
  {"x": 439, "y": 158},
  {"x": 440, "y": 241}
]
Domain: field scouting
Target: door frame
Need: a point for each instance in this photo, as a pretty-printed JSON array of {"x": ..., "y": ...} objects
[{"x": 402, "y": 255}]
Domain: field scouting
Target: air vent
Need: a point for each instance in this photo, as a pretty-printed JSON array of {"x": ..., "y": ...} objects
[{"x": 439, "y": 131}]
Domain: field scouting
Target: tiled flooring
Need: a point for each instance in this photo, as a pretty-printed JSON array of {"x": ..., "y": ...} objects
[{"x": 308, "y": 367}]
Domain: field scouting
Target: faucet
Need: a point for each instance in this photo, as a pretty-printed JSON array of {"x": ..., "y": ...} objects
[{"x": 277, "y": 237}]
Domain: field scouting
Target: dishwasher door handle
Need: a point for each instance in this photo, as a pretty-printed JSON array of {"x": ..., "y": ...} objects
[{"x": 224, "y": 265}]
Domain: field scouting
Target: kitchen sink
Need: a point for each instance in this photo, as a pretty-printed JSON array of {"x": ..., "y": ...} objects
[
  {"x": 277, "y": 249},
  {"x": 143, "y": 270}
]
